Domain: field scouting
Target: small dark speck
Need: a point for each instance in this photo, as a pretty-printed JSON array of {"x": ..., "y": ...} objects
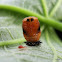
[
  {"x": 32, "y": 19},
  {"x": 39, "y": 28},
  {"x": 24, "y": 31},
  {"x": 27, "y": 19}
]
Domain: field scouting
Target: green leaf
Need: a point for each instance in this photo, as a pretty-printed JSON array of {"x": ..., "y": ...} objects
[{"x": 12, "y": 12}]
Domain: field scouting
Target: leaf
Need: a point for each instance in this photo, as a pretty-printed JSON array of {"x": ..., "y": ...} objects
[{"x": 12, "y": 13}]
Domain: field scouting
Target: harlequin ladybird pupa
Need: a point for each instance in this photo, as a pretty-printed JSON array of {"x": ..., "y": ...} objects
[{"x": 31, "y": 31}]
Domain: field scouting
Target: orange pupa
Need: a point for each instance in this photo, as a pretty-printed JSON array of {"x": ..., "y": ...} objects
[{"x": 31, "y": 30}]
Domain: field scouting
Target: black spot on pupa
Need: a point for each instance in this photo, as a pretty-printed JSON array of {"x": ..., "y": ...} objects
[
  {"x": 32, "y": 19},
  {"x": 24, "y": 31},
  {"x": 39, "y": 29},
  {"x": 27, "y": 19}
]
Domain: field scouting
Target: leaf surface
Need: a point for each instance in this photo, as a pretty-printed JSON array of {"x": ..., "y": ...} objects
[{"x": 11, "y": 30}]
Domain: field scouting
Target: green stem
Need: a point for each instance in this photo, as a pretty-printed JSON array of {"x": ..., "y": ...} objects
[
  {"x": 44, "y": 8},
  {"x": 55, "y": 8},
  {"x": 52, "y": 47},
  {"x": 48, "y": 21},
  {"x": 9, "y": 42}
]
